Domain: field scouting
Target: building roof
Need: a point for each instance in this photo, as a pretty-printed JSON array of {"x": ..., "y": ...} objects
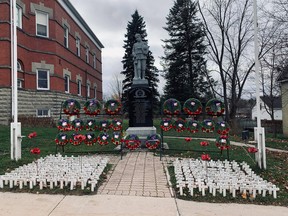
[
  {"x": 81, "y": 20},
  {"x": 277, "y": 103}
]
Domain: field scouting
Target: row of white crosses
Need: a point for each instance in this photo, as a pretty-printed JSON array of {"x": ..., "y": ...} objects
[
  {"x": 220, "y": 176},
  {"x": 57, "y": 171}
]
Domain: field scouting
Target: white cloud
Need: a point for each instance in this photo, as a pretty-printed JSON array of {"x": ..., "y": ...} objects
[{"x": 108, "y": 19}]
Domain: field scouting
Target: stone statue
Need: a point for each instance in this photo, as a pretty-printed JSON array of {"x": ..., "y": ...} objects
[{"x": 139, "y": 53}]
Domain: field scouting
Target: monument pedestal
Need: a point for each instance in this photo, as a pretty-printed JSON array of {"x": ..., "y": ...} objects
[{"x": 140, "y": 110}]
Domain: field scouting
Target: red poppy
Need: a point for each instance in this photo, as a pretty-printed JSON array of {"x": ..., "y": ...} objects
[
  {"x": 35, "y": 151},
  {"x": 205, "y": 157},
  {"x": 204, "y": 143},
  {"x": 188, "y": 139},
  {"x": 32, "y": 135},
  {"x": 252, "y": 150}
]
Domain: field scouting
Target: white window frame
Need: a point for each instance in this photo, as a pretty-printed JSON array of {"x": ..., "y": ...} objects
[
  {"x": 48, "y": 79},
  {"x": 41, "y": 116},
  {"x": 66, "y": 36},
  {"x": 87, "y": 54},
  {"x": 95, "y": 92},
  {"x": 79, "y": 87},
  {"x": 68, "y": 83},
  {"x": 94, "y": 61},
  {"x": 19, "y": 83},
  {"x": 44, "y": 23},
  {"x": 78, "y": 47},
  {"x": 19, "y": 12},
  {"x": 88, "y": 90},
  {"x": 19, "y": 66}
]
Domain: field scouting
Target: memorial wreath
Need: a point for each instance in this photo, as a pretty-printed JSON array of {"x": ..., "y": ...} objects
[
  {"x": 61, "y": 139},
  {"x": 215, "y": 107},
  {"x": 92, "y": 107},
  {"x": 192, "y": 106},
  {"x": 166, "y": 124},
  {"x": 153, "y": 141},
  {"x": 208, "y": 126},
  {"x": 171, "y": 107},
  {"x": 113, "y": 107},
  {"x": 132, "y": 141},
  {"x": 71, "y": 107}
]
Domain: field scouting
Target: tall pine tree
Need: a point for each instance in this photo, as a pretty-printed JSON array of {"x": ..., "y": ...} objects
[
  {"x": 184, "y": 63},
  {"x": 137, "y": 25}
]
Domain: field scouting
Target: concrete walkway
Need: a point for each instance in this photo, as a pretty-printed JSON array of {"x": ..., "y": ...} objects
[{"x": 136, "y": 185}]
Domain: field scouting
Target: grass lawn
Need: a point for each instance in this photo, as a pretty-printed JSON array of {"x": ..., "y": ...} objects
[{"x": 277, "y": 163}]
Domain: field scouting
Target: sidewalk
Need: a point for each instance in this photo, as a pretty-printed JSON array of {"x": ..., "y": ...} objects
[{"x": 136, "y": 185}]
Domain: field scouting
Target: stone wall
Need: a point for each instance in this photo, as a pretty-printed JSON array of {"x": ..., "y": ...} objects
[{"x": 30, "y": 100}]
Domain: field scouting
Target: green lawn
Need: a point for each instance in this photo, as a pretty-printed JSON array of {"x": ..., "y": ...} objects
[{"x": 277, "y": 163}]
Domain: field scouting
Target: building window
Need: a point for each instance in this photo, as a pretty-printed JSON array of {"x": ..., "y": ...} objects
[
  {"x": 95, "y": 92},
  {"x": 88, "y": 90},
  {"x": 66, "y": 36},
  {"x": 19, "y": 66},
  {"x": 42, "y": 24},
  {"x": 19, "y": 83},
  {"x": 67, "y": 83},
  {"x": 87, "y": 54},
  {"x": 43, "y": 80},
  {"x": 78, "y": 47},
  {"x": 19, "y": 16},
  {"x": 43, "y": 112},
  {"x": 79, "y": 87},
  {"x": 94, "y": 61}
]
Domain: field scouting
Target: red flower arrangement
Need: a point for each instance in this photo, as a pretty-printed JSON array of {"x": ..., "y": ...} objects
[
  {"x": 61, "y": 139},
  {"x": 204, "y": 143},
  {"x": 208, "y": 126},
  {"x": 215, "y": 107},
  {"x": 90, "y": 139},
  {"x": 205, "y": 157},
  {"x": 35, "y": 151},
  {"x": 63, "y": 125},
  {"x": 222, "y": 128},
  {"x": 252, "y": 150},
  {"x": 77, "y": 124},
  {"x": 132, "y": 141},
  {"x": 116, "y": 124},
  {"x": 92, "y": 107},
  {"x": 77, "y": 139},
  {"x": 116, "y": 138},
  {"x": 113, "y": 107},
  {"x": 192, "y": 106},
  {"x": 71, "y": 107},
  {"x": 193, "y": 126},
  {"x": 222, "y": 142},
  {"x": 166, "y": 124},
  {"x": 32, "y": 135},
  {"x": 188, "y": 139},
  {"x": 91, "y": 124},
  {"x": 103, "y": 138},
  {"x": 153, "y": 141},
  {"x": 180, "y": 125},
  {"x": 171, "y": 107}
]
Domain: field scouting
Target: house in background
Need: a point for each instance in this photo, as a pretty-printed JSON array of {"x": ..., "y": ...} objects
[
  {"x": 266, "y": 101},
  {"x": 59, "y": 57}
]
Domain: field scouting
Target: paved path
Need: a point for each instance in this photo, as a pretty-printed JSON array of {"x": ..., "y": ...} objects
[{"x": 137, "y": 174}]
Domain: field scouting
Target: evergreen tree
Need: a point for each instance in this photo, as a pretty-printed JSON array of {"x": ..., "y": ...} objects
[
  {"x": 185, "y": 73},
  {"x": 137, "y": 25}
]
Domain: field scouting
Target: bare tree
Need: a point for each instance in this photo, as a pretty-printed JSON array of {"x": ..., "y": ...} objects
[
  {"x": 115, "y": 86},
  {"x": 229, "y": 35}
]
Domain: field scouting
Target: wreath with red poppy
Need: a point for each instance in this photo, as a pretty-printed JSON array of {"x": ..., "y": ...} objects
[
  {"x": 76, "y": 139},
  {"x": 63, "y": 125},
  {"x": 166, "y": 124},
  {"x": 116, "y": 124},
  {"x": 71, "y": 107},
  {"x": 103, "y": 138},
  {"x": 61, "y": 139},
  {"x": 92, "y": 107},
  {"x": 193, "y": 126},
  {"x": 153, "y": 141},
  {"x": 215, "y": 107},
  {"x": 104, "y": 125},
  {"x": 208, "y": 126},
  {"x": 192, "y": 106},
  {"x": 171, "y": 107},
  {"x": 132, "y": 141},
  {"x": 116, "y": 138},
  {"x": 112, "y": 107},
  {"x": 222, "y": 128},
  {"x": 180, "y": 125},
  {"x": 90, "y": 124},
  {"x": 223, "y": 142},
  {"x": 90, "y": 139},
  {"x": 77, "y": 124}
]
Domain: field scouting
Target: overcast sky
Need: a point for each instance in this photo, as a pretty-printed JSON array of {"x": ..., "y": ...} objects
[{"x": 108, "y": 19}]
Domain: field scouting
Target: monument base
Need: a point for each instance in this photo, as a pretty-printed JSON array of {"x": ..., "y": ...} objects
[{"x": 141, "y": 132}]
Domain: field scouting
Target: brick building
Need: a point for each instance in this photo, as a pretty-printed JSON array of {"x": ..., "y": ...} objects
[{"x": 59, "y": 57}]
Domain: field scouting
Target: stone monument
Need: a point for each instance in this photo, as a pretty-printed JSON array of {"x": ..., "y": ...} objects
[{"x": 140, "y": 94}]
